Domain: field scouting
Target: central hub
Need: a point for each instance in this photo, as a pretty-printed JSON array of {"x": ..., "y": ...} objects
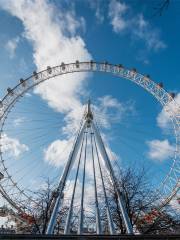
[{"x": 89, "y": 115}]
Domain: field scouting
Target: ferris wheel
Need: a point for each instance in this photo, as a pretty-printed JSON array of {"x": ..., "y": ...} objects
[{"x": 21, "y": 199}]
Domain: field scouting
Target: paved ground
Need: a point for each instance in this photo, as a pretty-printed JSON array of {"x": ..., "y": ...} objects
[{"x": 87, "y": 237}]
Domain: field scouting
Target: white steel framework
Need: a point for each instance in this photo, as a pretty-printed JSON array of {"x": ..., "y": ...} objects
[
  {"x": 170, "y": 184},
  {"x": 89, "y": 124}
]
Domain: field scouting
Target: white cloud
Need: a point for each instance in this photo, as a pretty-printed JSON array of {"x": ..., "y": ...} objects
[
  {"x": 11, "y": 46},
  {"x": 12, "y": 146},
  {"x": 109, "y": 110},
  {"x": 57, "y": 152},
  {"x": 112, "y": 155},
  {"x": 69, "y": 22},
  {"x": 142, "y": 30},
  {"x": 28, "y": 95},
  {"x": 88, "y": 194},
  {"x": 69, "y": 189},
  {"x": 54, "y": 38},
  {"x": 117, "y": 12},
  {"x": 96, "y": 6},
  {"x": 160, "y": 150},
  {"x": 89, "y": 163},
  {"x": 137, "y": 27},
  {"x": 108, "y": 101},
  {"x": 72, "y": 120},
  {"x": 163, "y": 118},
  {"x": 18, "y": 121}
]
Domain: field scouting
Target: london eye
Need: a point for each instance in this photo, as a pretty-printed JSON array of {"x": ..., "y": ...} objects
[{"x": 18, "y": 184}]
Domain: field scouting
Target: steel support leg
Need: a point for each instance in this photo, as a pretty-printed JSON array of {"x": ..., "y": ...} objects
[
  {"x": 98, "y": 223},
  {"x": 62, "y": 181},
  {"x": 68, "y": 221},
  {"x": 81, "y": 217},
  {"x": 113, "y": 178},
  {"x": 110, "y": 221}
]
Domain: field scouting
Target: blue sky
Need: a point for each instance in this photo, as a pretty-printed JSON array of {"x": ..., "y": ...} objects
[{"x": 36, "y": 34}]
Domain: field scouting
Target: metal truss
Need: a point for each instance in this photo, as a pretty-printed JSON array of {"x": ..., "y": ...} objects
[{"x": 17, "y": 197}]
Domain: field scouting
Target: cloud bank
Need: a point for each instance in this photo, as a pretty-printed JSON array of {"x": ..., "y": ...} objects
[
  {"x": 160, "y": 150},
  {"x": 163, "y": 118},
  {"x": 124, "y": 20},
  {"x": 54, "y": 38},
  {"x": 11, "y": 46},
  {"x": 12, "y": 146}
]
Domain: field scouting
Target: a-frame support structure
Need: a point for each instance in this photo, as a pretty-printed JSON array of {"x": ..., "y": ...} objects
[{"x": 98, "y": 148}]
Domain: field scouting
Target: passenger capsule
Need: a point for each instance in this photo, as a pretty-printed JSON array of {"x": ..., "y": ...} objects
[
  {"x": 160, "y": 85},
  {"x": 105, "y": 64},
  {"x": 22, "y": 81},
  {"x": 91, "y": 63},
  {"x": 120, "y": 66},
  {"x": 172, "y": 94},
  {"x": 77, "y": 64},
  {"x": 134, "y": 70},
  {"x": 1, "y": 104},
  {"x": 63, "y": 66},
  {"x": 35, "y": 75},
  {"x": 146, "y": 78},
  {"x": 10, "y": 91},
  {"x": 49, "y": 69}
]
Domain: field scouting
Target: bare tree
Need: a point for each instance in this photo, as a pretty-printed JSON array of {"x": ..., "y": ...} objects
[
  {"x": 161, "y": 7},
  {"x": 140, "y": 201},
  {"x": 43, "y": 208},
  {"x": 141, "y": 204},
  {"x": 39, "y": 214}
]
